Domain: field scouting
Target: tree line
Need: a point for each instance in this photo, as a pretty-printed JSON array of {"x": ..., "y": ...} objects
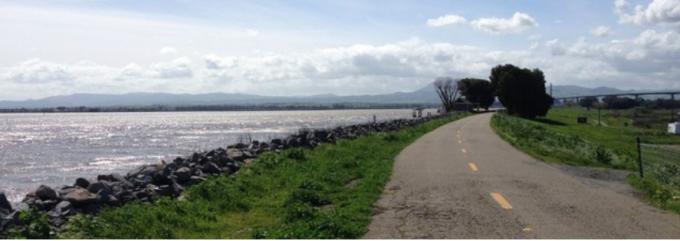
[
  {"x": 620, "y": 103},
  {"x": 520, "y": 90}
]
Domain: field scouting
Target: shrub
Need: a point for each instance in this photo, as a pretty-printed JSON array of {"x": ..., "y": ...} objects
[
  {"x": 603, "y": 156},
  {"x": 38, "y": 227}
]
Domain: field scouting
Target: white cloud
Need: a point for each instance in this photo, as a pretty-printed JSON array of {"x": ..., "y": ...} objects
[
  {"x": 518, "y": 23},
  {"x": 657, "y": 12},
  {"x": 649, "y": 52},
  {"x": 36, "y": 71},
  {"x": 442, "y": 21},
  {"x": 601, "y": 31},
  {"x": 168, "y": 50},
  {"x": 360, "y": 69},
  {"x": 177, "y": 68}
]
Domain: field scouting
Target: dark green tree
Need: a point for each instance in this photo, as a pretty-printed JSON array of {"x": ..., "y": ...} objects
[
  {"x": 521, "y": 90},
  {"x": 588, "y": 102},
  {"x": 477, "y": 91}
]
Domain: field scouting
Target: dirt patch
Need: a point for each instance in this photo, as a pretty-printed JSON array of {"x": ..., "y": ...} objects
[
  {"x": 598, "y": 173},
  {"x": 353, "y": 183}
]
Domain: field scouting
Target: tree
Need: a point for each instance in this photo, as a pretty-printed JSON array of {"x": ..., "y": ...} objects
[
  {"x": 477, "y": 91},
  {"x": 447, "y": 90},
  {"x": 588, "y": 102},
  {"x": 614, "y": 102},
  {"x": 521, "y": 91}
]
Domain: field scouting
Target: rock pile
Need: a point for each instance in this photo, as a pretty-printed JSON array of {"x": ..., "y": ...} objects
[{"x": 148, "y": 182}]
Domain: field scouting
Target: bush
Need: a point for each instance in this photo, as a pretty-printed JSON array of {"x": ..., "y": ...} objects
[
  {"x": 521, "y": 91},
  {"x": 38, "y": 227},
  {"x": 603, "y": 156}
]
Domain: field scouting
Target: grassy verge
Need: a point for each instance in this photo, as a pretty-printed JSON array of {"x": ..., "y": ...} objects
[
  {"x": 558, "y": 138},
  {"x": 327, "y": 192}
]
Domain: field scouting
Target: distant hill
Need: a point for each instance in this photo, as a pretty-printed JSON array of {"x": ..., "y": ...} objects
[{"x": 424, "y": 95}]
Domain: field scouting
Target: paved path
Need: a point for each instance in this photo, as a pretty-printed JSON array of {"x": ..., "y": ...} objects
[{"x": 463, "y": 181}]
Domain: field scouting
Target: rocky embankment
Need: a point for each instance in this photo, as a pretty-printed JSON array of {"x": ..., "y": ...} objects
[{"x": 149, "y": 182}]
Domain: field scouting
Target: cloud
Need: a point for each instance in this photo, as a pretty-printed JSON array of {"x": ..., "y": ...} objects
[
  {"x": 177, "y": 68},
  {"x": 36, "y": 71},
  {"x": 167, "y": 50},
  {"x": 519, "y": 22},
  {"x": 644, "y": 61},
  {"x": 445, "y": 20},
  {"x": 657, "y": 12},
  {"x": 649, "y": 53},
  {"x": 601, "y": 31}
]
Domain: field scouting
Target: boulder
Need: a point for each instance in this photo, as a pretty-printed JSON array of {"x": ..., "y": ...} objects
[
  {"x": 211, "y": 168},
  {"x": 82, "y": 182},
  {"x": 146, "y": 170},
  {"x": 113, "y": 177},
  {"x": 5, "y": 206},
  {"x": 63, "y": 208},
  {"x": 81, "y": 197},
  {"x": 7, "y": 220},
  {"x": 160, "y": 179},
  {"x": 179, "y": 161},
  {"x": 183, "y": 174},
  {"x": 100, "y": 187},
  {"x": 44, "y": 205},
  {"x": 46, "y": 193},
  {"x": 196, "y": 179},
  {"x": 235, "y": 154},
  {"x": 237, "y": 146}
]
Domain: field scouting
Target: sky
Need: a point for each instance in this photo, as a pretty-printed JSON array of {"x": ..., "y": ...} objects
[{"x": 309, "y": 47}]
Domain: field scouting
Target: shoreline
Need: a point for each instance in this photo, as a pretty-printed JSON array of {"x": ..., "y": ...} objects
[{"x": 147, "y": 183}]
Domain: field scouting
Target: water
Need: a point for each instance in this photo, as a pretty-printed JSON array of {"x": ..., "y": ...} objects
[{"x": 56, "y": 148}]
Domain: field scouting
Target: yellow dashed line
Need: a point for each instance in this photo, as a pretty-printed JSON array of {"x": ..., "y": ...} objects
[
  {"x": 501, "y": 200},
  {"x": 473, "y": 167}
]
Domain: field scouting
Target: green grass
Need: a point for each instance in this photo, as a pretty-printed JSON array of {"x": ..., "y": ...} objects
[
  {"x": 559, "y": 138},
  {"x": 327, "y": 192}
]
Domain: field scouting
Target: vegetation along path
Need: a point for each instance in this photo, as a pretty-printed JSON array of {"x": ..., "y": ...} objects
[{"x": 463, "y": 181}]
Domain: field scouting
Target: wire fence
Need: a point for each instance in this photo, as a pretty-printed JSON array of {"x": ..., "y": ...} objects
[{"x": 663, "y": 162}]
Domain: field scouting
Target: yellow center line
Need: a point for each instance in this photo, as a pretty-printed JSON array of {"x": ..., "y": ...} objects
[
  {"x": 501, "y": 200},
  {"x": 473, "y": 167}
]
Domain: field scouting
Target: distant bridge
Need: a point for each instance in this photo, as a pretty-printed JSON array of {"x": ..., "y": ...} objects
[{"x": 634, "y": 94}]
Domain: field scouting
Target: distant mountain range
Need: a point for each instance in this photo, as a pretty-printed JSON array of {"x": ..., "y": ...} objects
[{"x": 425, "y": 95}]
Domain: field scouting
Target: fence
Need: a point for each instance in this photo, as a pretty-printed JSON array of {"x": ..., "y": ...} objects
[{"x": 662, "y": 162}]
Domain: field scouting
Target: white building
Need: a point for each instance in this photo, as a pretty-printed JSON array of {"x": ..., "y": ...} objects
[{"x": 674, "y": 128}]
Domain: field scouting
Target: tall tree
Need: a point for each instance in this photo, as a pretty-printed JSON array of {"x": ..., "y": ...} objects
[
  {"x": 521, "y": 91},
  {"x": 477, "y": 91},
  {"x": 447, "y": 90}
]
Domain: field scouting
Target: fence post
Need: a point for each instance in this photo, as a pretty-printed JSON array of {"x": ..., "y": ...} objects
[{"x": 639, "y": 157}]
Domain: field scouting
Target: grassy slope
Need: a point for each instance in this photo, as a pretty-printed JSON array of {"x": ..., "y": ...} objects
[
  {"x": 558, "y": 138},
  {"x": 327, "y": 192}
]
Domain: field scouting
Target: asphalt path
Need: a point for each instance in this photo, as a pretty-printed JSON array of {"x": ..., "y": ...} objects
[{"x": 463, "y": 181}]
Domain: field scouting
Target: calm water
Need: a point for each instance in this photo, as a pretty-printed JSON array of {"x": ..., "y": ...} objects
[{"x": 55, "y": 149}]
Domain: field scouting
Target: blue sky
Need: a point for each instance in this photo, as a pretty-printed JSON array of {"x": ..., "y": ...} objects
[{"x": 316, "y": 47}]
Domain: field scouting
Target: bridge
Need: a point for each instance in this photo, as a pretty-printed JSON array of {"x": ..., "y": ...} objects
[{"x": 636, "y": 95}]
